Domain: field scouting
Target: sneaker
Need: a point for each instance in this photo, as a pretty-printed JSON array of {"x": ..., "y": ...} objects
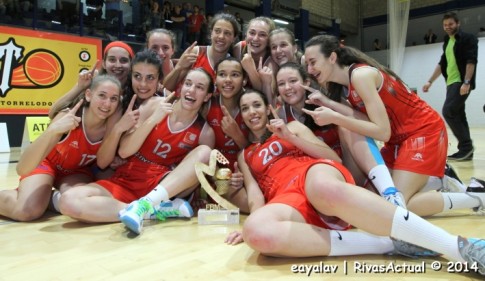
[
  {"x": 476, "y": 185},
  {"x": 462, "y": 156},
  {"x": 177, "y": 208},
  {"x": 394, "y": 196},
  {"x": 132, "y": 216},
  {"x": 411, "y": 250},
  {"x": 451, "y": 181},
  {"x": 477, "y": 191},
  {"x": 473, "y": 252}
]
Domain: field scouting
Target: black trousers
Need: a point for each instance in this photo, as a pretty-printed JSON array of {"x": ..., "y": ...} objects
[{"x": 455, "y": 116}]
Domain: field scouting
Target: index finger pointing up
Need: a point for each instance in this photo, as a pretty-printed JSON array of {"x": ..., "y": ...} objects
[
  {"x": 76, "y": 107},
  {"x": 189, "y": 49},
  {"x": 273, "y": 111},
  {"x": 95, "y": 67},
  {"x": 248, "y": 48},
  {"x": 236, "y": 168},
  {"x": 170, "y": 98},
  {"x": 225, "y": 111},
  {"x": 132, "y": 103}
]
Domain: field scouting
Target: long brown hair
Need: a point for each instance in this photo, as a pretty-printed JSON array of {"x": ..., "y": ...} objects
[{"x": 346, "y": 56}]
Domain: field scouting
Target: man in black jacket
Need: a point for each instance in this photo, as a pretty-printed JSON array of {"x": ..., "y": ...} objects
[{"x": 458, "y": 66}]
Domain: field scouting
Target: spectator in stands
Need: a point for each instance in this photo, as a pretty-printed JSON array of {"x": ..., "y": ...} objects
[
  {"x": 241, "y": 25},
  {"x": 430, "y": 37},
  {"x": 112, "y": 9},
  {"x": 95, "y": 13},
  {"x": 377, "y": 45},
  {"x": 204, "y": 30},
  {"x": 186, "y": 11},
  {"x": 167, "y": 14},
  {"x": 3, "y": 8},
  {"x": 178, "y": 25},
  {"x": 68, "y": 10},
  {"x": 196, "y": 20},
  {"x": 155, "y": 16}
]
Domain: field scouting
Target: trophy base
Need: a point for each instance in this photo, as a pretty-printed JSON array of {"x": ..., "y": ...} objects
[{"x": 206, "y": 217}]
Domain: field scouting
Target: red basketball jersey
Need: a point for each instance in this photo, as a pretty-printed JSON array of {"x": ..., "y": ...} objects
[
  {"x": 275, "y": 163},
  {"x": 224, "y": 144},
  {"x": 166, "y": 147},
  {"x": 74, "y": 151},
  {"x": 408, "y": 114}
]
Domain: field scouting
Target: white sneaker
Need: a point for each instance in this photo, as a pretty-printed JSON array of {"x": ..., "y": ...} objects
[
  {"x": 177, "y": 208},
  {"x": 132, "y": 216},
  {"x": 394, "y": 196},
  {"x": 476, "y": 185},
  {"x": 451, "y": 181}
]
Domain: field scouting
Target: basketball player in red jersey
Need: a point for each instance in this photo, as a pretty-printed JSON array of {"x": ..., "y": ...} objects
[
  {"x": 255, "y": 56},
  {"x": 160, "y": 151},
  {"x": 63, "y": 155},
  {"x": 414, "y": 134},
  {"x": 117, "y": 57},
  {"x": 162, "y": 41},
  {"x": 300, "y": 200},
  {"x": 223, "y": 115},
  {"x": 224, "y": 29}
]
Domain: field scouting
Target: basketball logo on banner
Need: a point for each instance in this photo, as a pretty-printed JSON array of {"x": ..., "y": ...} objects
[{"x": 40, "y": 68}]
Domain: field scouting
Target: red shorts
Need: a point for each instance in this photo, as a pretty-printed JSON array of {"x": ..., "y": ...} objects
[
  {"x": 422, "y": 153},
  {"x": 132, "y": 181},
  {"x": 47, "y": 167},
  {"x": 295, "y": 196}
]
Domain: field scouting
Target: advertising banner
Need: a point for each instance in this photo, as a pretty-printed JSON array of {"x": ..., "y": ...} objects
[{"x": 38, "y": 67}]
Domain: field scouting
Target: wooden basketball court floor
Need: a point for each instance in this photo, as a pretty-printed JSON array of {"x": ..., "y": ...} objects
[{"x": 59, "y": 248}]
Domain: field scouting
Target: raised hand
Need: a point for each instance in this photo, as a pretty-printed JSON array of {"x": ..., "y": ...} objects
[
  {"x": 163, "y": 108},
  {"x": 171, "y": 97},
  {"x": 228, "y": 124},
  {"x": 130, "y": 118},
  {"x": 67, "y": 122},
  {"x": 86, "y": 77},
  {"x": 265, "y": 73},
  {"x": 277, "y": 126},
  {"x": 188, "y": 58},
  {"x": 247, "y": 61},
  {"x": 316, "y": 97},
  {"x": 237, "y": 179}
]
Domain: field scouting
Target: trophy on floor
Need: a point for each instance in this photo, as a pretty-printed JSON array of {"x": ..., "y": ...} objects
[{"x": 223, "y": 212}]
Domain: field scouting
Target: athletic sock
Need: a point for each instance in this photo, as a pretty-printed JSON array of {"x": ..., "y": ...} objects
[
  {"x": 157, "y": 195},
  {"x": 409, "y": 227},
  {"x": 381, "y": 178},
  {"x": 457, "y": 201},
  {"x": 56, "y": 196},
  {"x": 346, "y": 243}
]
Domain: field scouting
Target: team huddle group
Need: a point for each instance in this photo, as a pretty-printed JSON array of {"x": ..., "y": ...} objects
[{"x": 299, "y": 132}]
